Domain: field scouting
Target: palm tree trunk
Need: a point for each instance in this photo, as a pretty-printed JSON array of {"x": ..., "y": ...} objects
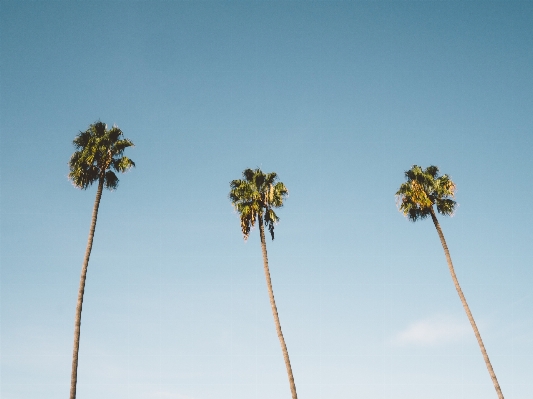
[
  {"x": 465, "y": 306},
  {"x": 275, "y": 310},
  {"x": 77, "y": 321}
]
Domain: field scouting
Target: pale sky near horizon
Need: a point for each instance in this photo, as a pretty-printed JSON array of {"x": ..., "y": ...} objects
[{"x": 339, "y": 98}]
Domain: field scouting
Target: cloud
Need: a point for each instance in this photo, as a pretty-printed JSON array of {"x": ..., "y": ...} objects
[{"x": 432, "y": 331}]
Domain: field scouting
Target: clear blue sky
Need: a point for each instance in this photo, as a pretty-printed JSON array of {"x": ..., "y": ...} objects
[{"x": 339, "y": 98}]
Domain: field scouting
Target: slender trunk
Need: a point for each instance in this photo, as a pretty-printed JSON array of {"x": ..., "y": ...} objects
[
  {"x": 465, "y": 306},
  {"x": 275, "y": 310},
  {"x": 77, "y": 321}
]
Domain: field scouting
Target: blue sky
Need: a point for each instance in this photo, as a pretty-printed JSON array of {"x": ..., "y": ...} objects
[{"x": 339, "y": 98}]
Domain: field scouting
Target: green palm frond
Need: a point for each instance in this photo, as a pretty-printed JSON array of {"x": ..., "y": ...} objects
[
  {"x": 111, "y": 180},
  {"x": 82, "y": 139},
  {"x": 114, "y": 133},
  {"x": 254, "y": 196},
  {"x": 270, "y": 219},
  {"x": 120, "y": 145},
  {"x": 99, "y": 129},
  {"x": 279, "y": 193},
  {"x": 422, "y": 190},
  {"x": 97, "y": 150},
  {"x": 248, "y": 174},
  {"x": 122, "y": 164}
]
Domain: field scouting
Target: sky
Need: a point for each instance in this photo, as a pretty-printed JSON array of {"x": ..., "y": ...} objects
[{"x": 339, "y": 99}]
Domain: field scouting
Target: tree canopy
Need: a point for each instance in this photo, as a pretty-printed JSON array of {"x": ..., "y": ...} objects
[
  {"x": 255, "y": 196},
  {"x": 98, "y": 150},
  {"x": 422, "y": 190}
]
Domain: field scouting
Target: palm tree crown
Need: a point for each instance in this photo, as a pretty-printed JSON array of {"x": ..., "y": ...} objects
[
  {"x": 255, "y": 196},
  {"x": 97, "y": 151},
  {"x": 422, "y": 190}
]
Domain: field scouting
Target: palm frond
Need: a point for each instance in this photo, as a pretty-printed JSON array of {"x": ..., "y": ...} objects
[
  {"x": 111, "y": 180},
  {"x": 98, "y": 129},
  {"x": 259, "y": 180},
  {"x": 81, "y": 140},
  {"x": 248, "y": 174},
  {"x": 446, "y": 206},
  {"x": 279, "y": 194},
  {"x": 119, "y": 146},
  {"x": 271, "y": 178},
  {"x": 114, "y": 133},
  {"x": 122, "y": 164},
  {"x": 270, "y": 220},
  {"x": 432, "y": 171},
  {"x": 248, "y": 213}
]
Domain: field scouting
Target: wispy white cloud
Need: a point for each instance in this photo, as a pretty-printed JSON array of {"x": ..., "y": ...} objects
[{"x": 432, "y": 331}]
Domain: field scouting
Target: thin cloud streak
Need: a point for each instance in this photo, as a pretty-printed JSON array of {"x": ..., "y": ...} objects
[{"x": 432, "y": 331}]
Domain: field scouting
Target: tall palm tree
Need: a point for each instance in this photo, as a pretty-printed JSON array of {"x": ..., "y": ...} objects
[
  {"x": 416, "y": 197},
  {"x": 98, "y": 150},
  {"x": 254, "y": 198}
]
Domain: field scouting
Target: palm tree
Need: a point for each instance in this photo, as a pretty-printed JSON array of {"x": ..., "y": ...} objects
[
  {"x": 253, "y": 198},
  {"x": 98, "y": 150},
  {"x": 416, "y": 197}
]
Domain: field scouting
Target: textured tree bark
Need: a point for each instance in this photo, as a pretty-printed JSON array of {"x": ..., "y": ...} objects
[
  {"x": 275, "y": 310},
  {"x": 465, "y": 306},
  {"x": 77, "y": 321}
]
